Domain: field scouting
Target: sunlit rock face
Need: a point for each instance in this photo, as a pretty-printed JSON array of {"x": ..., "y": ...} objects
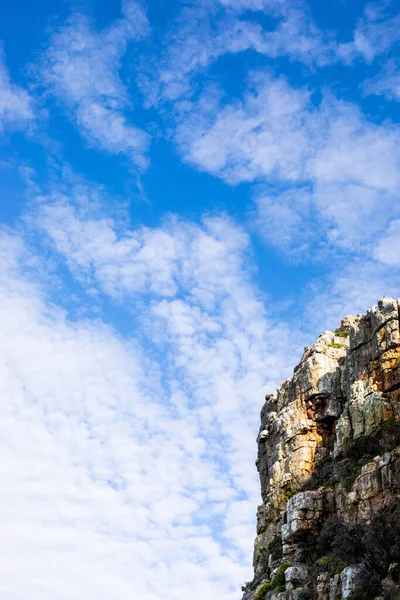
[{"x": 329, "y": 453}]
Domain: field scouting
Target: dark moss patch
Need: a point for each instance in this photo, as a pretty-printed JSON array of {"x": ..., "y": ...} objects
[
  {"x": 305, "y": 595},
  {"x": 275, "y": 548}
]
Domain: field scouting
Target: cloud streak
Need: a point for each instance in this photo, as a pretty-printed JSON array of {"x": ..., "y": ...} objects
[
  {"x": 324, "y": 153},
  {"x": 16, "y": 106},
  {"x": 375, "y": 34},
  {"x": 80, "y": 67},
  {"x": 207, "y": 32}
]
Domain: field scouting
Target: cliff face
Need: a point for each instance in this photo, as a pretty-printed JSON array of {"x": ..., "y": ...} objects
[{"x": 329, "y": 464}]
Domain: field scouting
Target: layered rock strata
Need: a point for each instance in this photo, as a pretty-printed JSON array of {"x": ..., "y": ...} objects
[{"x": 316, "y": 458}]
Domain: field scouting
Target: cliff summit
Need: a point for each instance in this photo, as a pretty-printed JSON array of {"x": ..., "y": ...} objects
[{"x": 329, "y": 465}]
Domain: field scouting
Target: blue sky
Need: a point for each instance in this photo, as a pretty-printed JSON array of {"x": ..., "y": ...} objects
[{"x": 190, "y": 193}]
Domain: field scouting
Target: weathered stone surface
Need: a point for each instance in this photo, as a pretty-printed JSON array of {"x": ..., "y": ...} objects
[
  {"x": 345, "y": 388},
  {"x": 322, "y": 586},
  {"x": 249, "y": 595},
  {"x": 349, "y": 578},
  {"x": 296, "y": 575},
  {"x": 303, "y": 512},
  {"x": 334, "y": 587}
]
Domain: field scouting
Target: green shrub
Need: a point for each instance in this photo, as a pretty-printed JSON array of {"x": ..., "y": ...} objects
[
  {"x": 277, "y": 582},
  {"x": 324, "y": 561},
  {"x": 322, "y": 474},
  {"x": 363, "y": 448},
  {"x": 263, "y": 589},
  {"x": 289, "y": 490},
  {"x": 342, "y": 333},
  {"x": 334, "y": 564},
  {"x": 337, "y": 570},
  {"x": 391, "y": 433},
  {"x": 305, "y": 595},
  {"x": 375, "y": 543},
  {"x": 279, "y": 578}
]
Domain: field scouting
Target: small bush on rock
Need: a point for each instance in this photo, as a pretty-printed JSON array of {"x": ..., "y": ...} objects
[
  {"x": 263, "y": 589},
  {"x": 279, "y": 578},
  {"x": 342, "y": 333},
  {"x": 374, "y": 544},
  {"x": 305, "y": 595}
]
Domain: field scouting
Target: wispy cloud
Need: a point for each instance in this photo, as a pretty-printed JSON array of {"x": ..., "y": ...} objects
[
  {"x": 349, "y": 288},
  {"x": 288, "y": 220},
  {"x": 16, "y": 106},
  {"x": 272, "y": 6},
  {"x": 207, "y": 31},
  {"x": 376, "y": 32},
  {"x": 150, "y": 455},
  {"x": 81, "y": 67},
  {"x": 388, "y": 247},
  {"x": 387, "y": 83},
  {"x": 264, "y": 135},
  {"x": 277, "y": 136}
]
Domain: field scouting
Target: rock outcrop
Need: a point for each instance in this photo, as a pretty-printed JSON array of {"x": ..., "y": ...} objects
[{"x": 329, "y": 465}]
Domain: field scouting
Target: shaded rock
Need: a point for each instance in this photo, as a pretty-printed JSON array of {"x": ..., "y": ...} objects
[
  {"x": 296, "y": 575},
  {"x": 349, "y": 578}
]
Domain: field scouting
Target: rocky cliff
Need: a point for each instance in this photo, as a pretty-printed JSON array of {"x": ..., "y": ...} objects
[{"x": 329, "y": 464}]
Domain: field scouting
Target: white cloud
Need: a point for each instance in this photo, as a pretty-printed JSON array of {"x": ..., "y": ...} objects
[
  {"x": 81, "y": 68},
  {"x": 388, "y": 247},
  {"x": 353, "y": 213},
  {"x": 349, "y": 289},
  {"x": 142, "y": 261},
  {"x": 117, "y": 480},
  {"x": 327, "y": 154},
  {"x": 103, "y": 487},
  {"x": 288, "y": 220},
  {"x": 276, "y": 132},
  {"x": 375, "y": 34},
  {"x": 260, "y": 5},
  {"x": 206, "y": 32},
  {"x": 264, "y": 135},
  {"x": 350, "y": 149},
  {"x": 15, "y": 104},
  {"x": 387, "y": 83},
  {"x": 339, "y": 216}
]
